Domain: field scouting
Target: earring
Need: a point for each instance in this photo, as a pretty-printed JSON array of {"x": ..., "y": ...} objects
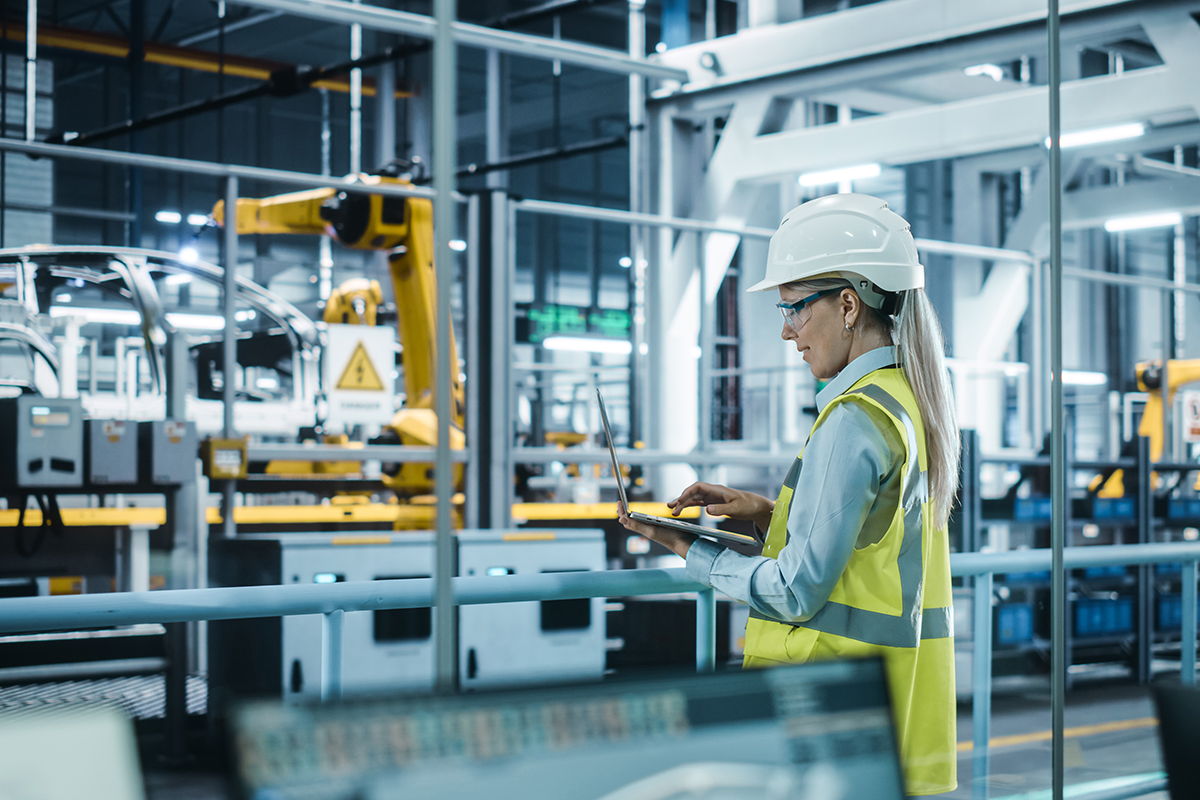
[{"x": 849, "y": 328}]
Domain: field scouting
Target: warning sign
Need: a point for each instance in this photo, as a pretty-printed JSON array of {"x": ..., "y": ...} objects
[
  {"x": 360, "y": 373},
  {"x": 1191, "y": 416}
]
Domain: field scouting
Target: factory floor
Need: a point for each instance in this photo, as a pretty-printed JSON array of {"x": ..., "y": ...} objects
[{"x": 1111, "y": 741}]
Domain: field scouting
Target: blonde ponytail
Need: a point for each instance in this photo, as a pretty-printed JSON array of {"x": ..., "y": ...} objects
[{"x": 922, "y": 352}]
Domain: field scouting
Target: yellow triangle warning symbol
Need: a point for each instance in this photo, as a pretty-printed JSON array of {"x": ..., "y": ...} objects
[{"x": 360, "y": 372}]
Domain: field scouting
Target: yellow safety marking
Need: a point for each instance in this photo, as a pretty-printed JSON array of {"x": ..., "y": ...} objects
[
  {"x": 1082, "y": 730},
  {"x": 295, "y": 515},
  {"x": 544, "y": 511},
  {"x": 361, "y": 540},
  {"x": 90, "y": 516},
  {"x": 69, "y": 584},
  {"x": 360, "y": 374},
  {"x": 539, "y": 536}
]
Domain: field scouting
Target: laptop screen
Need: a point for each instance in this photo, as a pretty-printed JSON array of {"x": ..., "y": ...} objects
[
  {"x": 814, "y": 730},
  {"x": 612, "y": 451}
]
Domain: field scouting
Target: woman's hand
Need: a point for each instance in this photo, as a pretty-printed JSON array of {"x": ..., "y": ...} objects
[
  {"x": 722, "y": 501},
  {"x": 677, "y": 542}
]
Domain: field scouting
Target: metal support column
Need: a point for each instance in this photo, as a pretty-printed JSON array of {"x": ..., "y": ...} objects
[
  {"x": 444, "y": 219},
  {"x": 181, "y": 510},
  {"x": 1187, "y": 642},
  {"x": 1058, "y": 473},
  {"x": 229, "y": 344},
  {"x": 331, "y": 655},
  {"x": 356, "y": 99},
  {"x": 706, "y": 631},
  {"x": 136, "y": 61},
  {"x": 707, "y": 338},
  {"x": 1145, "y": 583},
  {"x": 981, "y": 685},
  {"x": 496, "y": 142},
  {"x": 638, "y": 235},
  {"x": 31, "y": 18}
]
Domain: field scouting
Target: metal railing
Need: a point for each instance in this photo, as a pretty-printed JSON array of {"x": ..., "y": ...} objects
[{"x": 334, "y": 600}]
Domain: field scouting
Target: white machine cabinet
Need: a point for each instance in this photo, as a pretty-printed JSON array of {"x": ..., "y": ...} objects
[
  {"x": 536, "y": 642},
  {"x": 393, "y": 650},
  {"x": 390, "y": 650}
]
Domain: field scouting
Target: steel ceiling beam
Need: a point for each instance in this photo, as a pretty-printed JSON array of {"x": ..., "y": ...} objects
[{"x": 403, "y": 22}]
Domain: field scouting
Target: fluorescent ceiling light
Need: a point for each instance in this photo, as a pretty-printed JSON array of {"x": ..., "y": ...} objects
[
  {"x": 581, "y": 344},
  {"x": 458, "y": 245},
  {"x": 245, "y": 316},
  {"x": 1113, "y": 134},
  {"x": 178, "y": 279},
  {"x": 267, "y": 382},
  {"x": 63, "y": 298},
  {"x": 197, "y": 219},
  {"x": 116, "y": 316},
  {"x": 839, "y": 175},
  {"x": 993, "y": 71},
  {"x": 189, "y": 255},
  {"x": 1078, "y": 378},
  {"x": 1163, "y": 220},
  {"x": 169, "y": 217},
  {"x": 196, "y": 322}
]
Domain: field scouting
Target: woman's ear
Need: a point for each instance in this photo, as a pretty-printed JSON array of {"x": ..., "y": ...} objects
[{"x": 850, "y": 307}]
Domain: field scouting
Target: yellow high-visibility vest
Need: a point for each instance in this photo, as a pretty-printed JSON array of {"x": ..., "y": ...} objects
[{"x": 893, "y": 600}]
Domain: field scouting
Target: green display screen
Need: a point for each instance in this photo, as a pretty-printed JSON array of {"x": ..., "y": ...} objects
[{"x": 559, "y": 320}]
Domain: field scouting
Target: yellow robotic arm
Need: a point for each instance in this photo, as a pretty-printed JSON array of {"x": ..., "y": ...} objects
[
  {"x": 1150, "y": 380},
  {"x": 402, "y": 225}
]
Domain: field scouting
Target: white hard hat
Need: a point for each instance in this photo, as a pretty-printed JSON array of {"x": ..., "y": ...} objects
[{"x": 851, "y": 236}]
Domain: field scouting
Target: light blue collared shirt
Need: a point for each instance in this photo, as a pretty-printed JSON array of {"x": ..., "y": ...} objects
[{"x": 845, "y": 497}]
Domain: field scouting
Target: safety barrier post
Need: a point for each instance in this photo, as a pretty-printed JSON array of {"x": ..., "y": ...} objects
[
  {"x": 981, "y": 684},
  {"x": 1187, "y": 642},
  {"x": 331, "y": 655},
  {"x": 706, "y": 631}
]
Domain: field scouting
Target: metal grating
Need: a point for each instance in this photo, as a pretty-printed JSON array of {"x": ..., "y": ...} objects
[{"x": 140, "y": 697}]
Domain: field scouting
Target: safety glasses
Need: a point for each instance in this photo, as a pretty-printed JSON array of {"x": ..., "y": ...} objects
[{"x": 791, "y": 311}]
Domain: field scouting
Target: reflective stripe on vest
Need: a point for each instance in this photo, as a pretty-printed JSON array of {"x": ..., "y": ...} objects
[{"x": 912, "y": 624}]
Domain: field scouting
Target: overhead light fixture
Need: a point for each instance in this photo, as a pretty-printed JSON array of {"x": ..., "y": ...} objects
[
  {"x": 1114, "y": 134},
  {"x": 189, "y": 255},
  {"x": 458, "y": 245},
  {"x": 196, "y": 322},
  {"x": 169, "y": 217},
  {"x": 584, "y": 344},
  {"x": 1163, "y": 220},
  {"x": 114, "y": 316},
  {"x": 63, "y": 298},
  {"x": 993, "y": 71},
  {"x": 246, "y": 316},
  {"x": 839, "y": 175},
  {"x": 626, "y": 262},
  {"x": 1079, "y": 378},
  {"x": 197, "y": 219},
  {"x": 178, "y": 279}
]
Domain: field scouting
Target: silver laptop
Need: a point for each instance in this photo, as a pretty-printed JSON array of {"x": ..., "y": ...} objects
[{"x": 719, "y": 536}]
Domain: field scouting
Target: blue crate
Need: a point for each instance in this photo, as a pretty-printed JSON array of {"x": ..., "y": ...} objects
[
  {"x": 1094, "y": 573},
  {"x": 1014, "y": 623},
  {"x": 1032, "y": 508},
  {"x": 1113, "y": 508},
  {"x": 1170, "y": 612},
  {"x": 1184, "y": 509},
  {"x": 1042, "y": 576},
  {"x": 1103, "y": 617}
]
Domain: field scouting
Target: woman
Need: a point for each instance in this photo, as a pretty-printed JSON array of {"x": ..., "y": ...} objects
[{"x": 856, "y": 560}]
